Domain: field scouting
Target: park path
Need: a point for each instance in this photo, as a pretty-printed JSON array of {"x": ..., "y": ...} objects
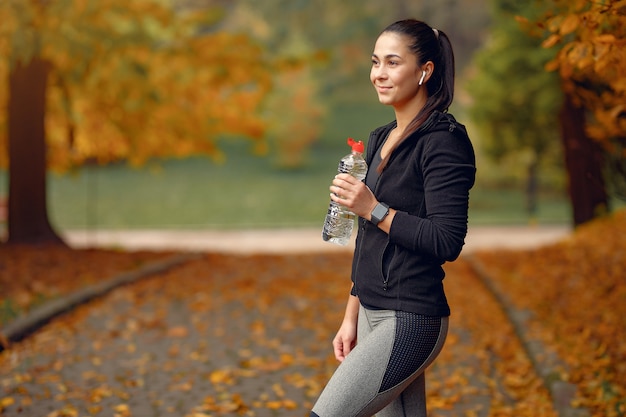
[
  {"x": 293, "y": 240},
  {"x": 245, "y": 332}
]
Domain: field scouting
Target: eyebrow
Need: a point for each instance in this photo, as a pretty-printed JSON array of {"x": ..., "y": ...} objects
[{"x": 388, "y": 56}]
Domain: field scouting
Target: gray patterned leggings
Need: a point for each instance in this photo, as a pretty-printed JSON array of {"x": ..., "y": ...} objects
[{"x": 384, "y": 373}]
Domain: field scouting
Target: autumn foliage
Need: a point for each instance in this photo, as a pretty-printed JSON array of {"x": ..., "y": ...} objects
[
  {"x": 590, "y": 39},
  {"x": 591, "y": 62},
  {"x": 134, "y": 80},
  {"x": 577, "y": 295}
]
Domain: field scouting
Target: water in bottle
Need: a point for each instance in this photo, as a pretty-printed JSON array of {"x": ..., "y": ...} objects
[{"x": 339, "y": 220}]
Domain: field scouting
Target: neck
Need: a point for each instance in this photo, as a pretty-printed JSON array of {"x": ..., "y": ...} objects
[{"x": 406, "y": 113}]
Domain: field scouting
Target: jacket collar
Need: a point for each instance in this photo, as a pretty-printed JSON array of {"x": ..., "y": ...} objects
[{"x": 378, "y": 136}]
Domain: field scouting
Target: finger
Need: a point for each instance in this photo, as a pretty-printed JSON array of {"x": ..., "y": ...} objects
[
  {"x": 338, "y": 350},
  {"x": 344, "y": 177},
  {"x": 335, "y": 192},
  {"x": 338, "y": 182},
  {"x": 346, "y": 348},
  {"x": 344, "y": 180}
]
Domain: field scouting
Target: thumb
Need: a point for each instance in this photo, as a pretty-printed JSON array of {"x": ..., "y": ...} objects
[{"x": 347, "y": 347}]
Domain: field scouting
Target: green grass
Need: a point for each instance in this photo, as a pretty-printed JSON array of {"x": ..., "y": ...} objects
[{"x": 247, "y": 191}]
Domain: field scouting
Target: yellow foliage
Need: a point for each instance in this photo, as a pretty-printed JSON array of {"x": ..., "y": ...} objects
[
  {"x": 134, "y": 80},
  {"x": 591, "y": 59}
]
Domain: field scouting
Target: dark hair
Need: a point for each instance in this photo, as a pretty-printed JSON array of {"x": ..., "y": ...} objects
[{"x": 428, "y": 45}]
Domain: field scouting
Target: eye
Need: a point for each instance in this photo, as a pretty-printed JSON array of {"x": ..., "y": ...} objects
[
  {"x": 392, "y": 63},
  {"x": 374, "y": 61}
]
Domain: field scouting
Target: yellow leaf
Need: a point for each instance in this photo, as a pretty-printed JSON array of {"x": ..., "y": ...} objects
[
  {"x": 122, "y": 410},
  {"x": 179, "y": 331},
  {"x": 67, "y": 411},
  {"x": 5, "y": 402},
  {"x": 278, "y": 390},
  {"x": 585, "y": 62},
  {"x": 551, "y": 41},
  {"x": 552, "y": 65},
  {"x": 290, "y": 404},
  {"x": 221, "y": 376},
  {"x": 274, "y": 405},
  {"x": 554, "y": 23},
  {"x": 521, "y": 19},
  {"x": 569, "y": 25},
  {"x": 606, "y": 38}
]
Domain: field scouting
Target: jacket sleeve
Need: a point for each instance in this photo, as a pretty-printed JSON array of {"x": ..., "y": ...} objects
[{"x": 449, "y": 170}]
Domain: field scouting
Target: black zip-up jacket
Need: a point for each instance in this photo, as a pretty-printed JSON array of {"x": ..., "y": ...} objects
[{"x": 427, "y": 180}]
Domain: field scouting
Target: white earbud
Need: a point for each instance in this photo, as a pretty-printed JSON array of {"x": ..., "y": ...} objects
[{"x": 422, "y": 79}]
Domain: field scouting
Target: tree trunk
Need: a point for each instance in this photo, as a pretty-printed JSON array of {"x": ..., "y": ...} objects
[
  {"x": 584, "y": 164},
  {"x": 28, "y": 215}
]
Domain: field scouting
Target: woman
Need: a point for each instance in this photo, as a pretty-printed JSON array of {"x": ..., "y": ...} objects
[{"x": 412, "y": 212}]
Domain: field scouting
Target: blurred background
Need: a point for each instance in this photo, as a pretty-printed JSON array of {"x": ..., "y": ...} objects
[{"x": 233, "y": 114}]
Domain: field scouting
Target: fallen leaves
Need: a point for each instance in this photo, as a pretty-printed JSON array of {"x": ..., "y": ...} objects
[
  {"x": 575, "y": 290},
  {"x": 250, "y": 335},
  {"x": 30, "y": 276},
  {"x": 223, "y": 334},
  {"x": 483, "y": 368}
]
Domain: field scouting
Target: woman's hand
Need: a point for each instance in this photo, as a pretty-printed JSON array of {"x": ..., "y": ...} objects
[
  {"x": 345, "y": 340},
  {"x": 353, "y": 194}
]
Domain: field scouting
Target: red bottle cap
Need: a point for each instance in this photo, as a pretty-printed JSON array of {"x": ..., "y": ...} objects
[{"x": 356, "y": 146}]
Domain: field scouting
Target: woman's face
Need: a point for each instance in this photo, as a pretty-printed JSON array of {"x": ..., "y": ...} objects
[{"x": 395, "y": 73}]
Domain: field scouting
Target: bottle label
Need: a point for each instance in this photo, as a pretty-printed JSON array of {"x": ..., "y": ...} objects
[
  {"x": 345, "y": 167},
  {"x": 334, "y": 209}
]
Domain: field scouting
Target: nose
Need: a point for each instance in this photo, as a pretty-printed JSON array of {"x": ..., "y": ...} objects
[{"x": 378, "y": 72}]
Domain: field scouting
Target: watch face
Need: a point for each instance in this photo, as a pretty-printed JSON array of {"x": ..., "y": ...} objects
[{"x": 379, "y": 213}]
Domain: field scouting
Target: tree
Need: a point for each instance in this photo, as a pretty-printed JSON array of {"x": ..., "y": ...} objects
[
  {"x": 591, "y": 65},
  {"x": 107, "y": 80},
  {"x": 26, "y": 109},
  {"x": 515, "y": 101}
]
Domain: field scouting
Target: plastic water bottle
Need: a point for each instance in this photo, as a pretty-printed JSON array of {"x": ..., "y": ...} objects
[{"x": 339, "y": 220}]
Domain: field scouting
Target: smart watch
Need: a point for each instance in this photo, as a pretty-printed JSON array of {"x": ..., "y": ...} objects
[{"x": 379, "y": 213}]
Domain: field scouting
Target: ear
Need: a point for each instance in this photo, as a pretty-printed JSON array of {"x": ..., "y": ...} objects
[{"x": 426, "y": 72}]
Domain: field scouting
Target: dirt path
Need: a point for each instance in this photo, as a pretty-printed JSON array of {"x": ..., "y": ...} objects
[
  {"x": 246, "y": 330},
  {"x": 293, "y": 240},
  {"x": 243, "y": 335}
]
